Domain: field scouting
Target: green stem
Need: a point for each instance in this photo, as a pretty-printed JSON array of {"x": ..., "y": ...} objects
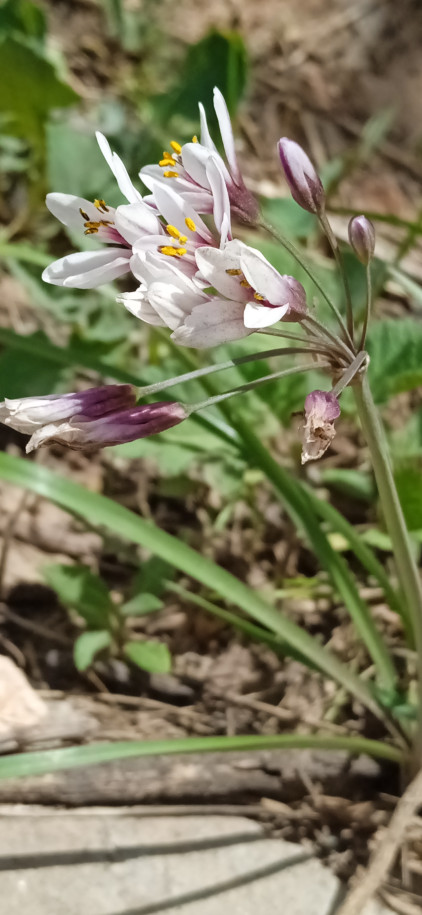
[
  {"x": 229, "y": 364},
  {"x": 251, "y": 385},
  {"x": 368, "y": 305},
  {"x": 300, "y": 510},
  {"x": 326, "y": 227},
  {"x": 350, "y": 373},
  {"x": 366, "y": 556},
  {"x": 306, "y": 267},
  {"x": 407, "y": 570}
]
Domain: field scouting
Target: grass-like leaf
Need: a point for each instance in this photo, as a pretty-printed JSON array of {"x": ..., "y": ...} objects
[
  {"x": 91, "y": 506},
  {"x": 38, "y": 763}
]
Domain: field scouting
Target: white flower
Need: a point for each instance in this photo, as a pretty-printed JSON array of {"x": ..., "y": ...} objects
[
  {"x": 243, "y": 275},
  {"x": 119, "y": 227},
  {"x": 199, "y": 171},
  {"x": 170, "y": 297}
]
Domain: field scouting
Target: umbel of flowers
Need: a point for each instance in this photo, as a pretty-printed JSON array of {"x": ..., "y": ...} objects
[{"x": 191, "y": 275}]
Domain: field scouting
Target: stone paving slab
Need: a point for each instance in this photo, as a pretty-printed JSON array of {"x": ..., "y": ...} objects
[{"x": 138, "y": 865}]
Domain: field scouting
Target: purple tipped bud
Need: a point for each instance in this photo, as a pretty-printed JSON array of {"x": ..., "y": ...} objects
[
  {"x": 304, "y": 182},
  {"x": 321, "y": 409},
  {"x": 362, "y": 238},
  {"x": 90, "y": 419}
]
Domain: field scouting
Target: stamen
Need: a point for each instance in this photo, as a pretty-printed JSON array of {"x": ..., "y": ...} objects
[
  {"x": 176, "y": 146},
  {"x": 194, "y": 139},
  {"x": 100, "y": 204},
  {"x": 245, "y": 284},
  {"x": 172, "y": 251},
  {"x": 175, "y": 233},
  {"x": 258, "y": 297},
  {"x": 170, "y": 175},
  {"x": 190, "y": 224},
  {"x": 234, "y": 272},
  {"x": 165, "y": 162},
  {"x": 83, "y": 214}
]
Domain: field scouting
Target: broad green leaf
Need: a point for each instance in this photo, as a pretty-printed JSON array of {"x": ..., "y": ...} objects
[
  {"x": 126, "y": 524},
  {"x": 21, "y": 765},
  {"x": 30, "y": 89},
  {"x": 395, "y": 348},
  {"x": 288, "y": 217},
  {"x": 79, "y": 588},
  {"x": 22, "y": 17},
  {"x": 408, "y": 479},
  {"x": 17, "y": 375},
  {"x": 151, "y": 656},
  {"x": 84, "y": 172},
  {"x": 218, "y": 59},
  {"x": 406, "y": 441},
  {"x": 152, "y": 577},
  {"x": 141, "y": 604},
  {"x": 88, "y": 645}
]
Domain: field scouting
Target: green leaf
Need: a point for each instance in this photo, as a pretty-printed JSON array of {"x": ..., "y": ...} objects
[
  {"x": 83, "y": 172},
  {"x": 288, "y": 217},
  {"x": 303, "y": 515},
  {"x": 23, "y": 17},
  {"x": 218, "y": 59},
  {"x": 17, "y": 375},
  {"x": 29, "y": 89},
  {"x": 79, "y": 588},
  {"x": 21, "y": 765},
  {"x": 151, "y": 656},
  {"x": 408, "y": 479},
  {"x": 152, "y": 576},
  {"x": 140, "y": 604},
  {"x": 353, "y": 483},
  {"x": 395, "y": 348},
  {"x": 122, "y": 522},
  {"x": 88, "y": 645}
]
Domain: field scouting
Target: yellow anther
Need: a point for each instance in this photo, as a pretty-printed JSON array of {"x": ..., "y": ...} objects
[
  {"x": 183, "y": 239},
  {"x": 194, "y": 139},
  {"x": 176, "y": 146},
  {"x": 100, "y": 204},
  {"x": 190, "y": 224},
  {"x": 244, "y": 283},
  {"x": 165, "y": 162},
  {"x": 83, "y": 214},
  {"x": 172, "y": 251},
  {"x": 258, "y": 297},
  {"x": 90, "y": 231},
  {"x": 234, "y": 272},
  {"x": 170, "y": 174},
  {"x": 175, "y": 233}
]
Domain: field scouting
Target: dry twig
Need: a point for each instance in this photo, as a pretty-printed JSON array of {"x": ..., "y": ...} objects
[{"x": 386, "y": 852}]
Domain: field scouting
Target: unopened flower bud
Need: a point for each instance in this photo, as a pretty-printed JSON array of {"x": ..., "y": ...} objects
[
  {"x": 362, "y": 238},
  {"x": 304, "y": 182},
  {"x": 90, "y": 419},
  {"x": 321, "y": 409}
]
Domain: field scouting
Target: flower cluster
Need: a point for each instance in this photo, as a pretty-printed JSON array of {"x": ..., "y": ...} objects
[
  {"x": 191, "y": 275},
  {"x": 198, "y": 281}
]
